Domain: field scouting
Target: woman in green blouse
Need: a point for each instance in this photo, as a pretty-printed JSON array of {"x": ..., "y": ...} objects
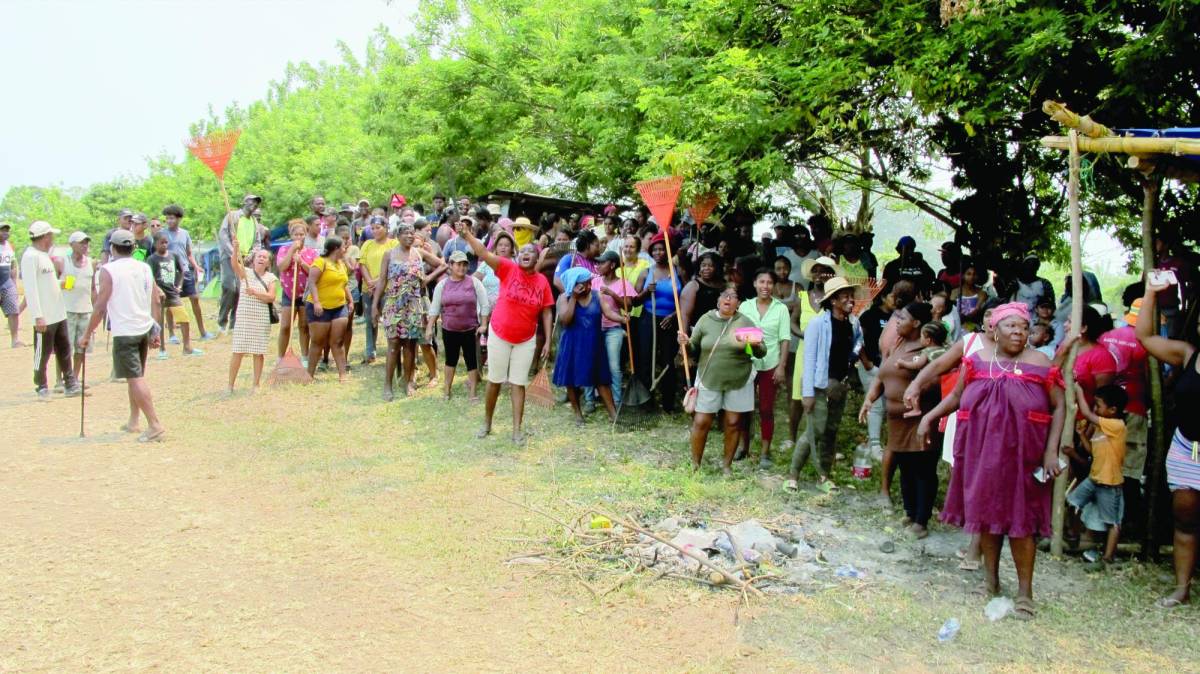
[{"x": 724, "y": 373}]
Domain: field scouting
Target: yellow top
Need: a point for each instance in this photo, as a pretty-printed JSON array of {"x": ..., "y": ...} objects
[
  {"x": 373, "y": 252},
  {"x": 331, "y": 285},
  {"x": 630, "y": 273},
  {"x": 1108, "y": 452}
]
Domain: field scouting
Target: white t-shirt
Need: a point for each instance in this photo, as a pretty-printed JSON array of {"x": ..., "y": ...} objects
[
  {"x": 8, "y": 256},
  {"x": 43, "y": 295},
  {"x": 79, "y": 298},
  {"x": 129, "y": 306}
]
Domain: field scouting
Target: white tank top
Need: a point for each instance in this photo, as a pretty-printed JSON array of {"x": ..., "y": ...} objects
[{"x": 129, "y": 307}]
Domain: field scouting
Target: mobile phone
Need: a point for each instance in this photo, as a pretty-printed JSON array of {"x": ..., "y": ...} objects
[
  {"x": 1040, "y": 473},
  {"x": 1161, "y": 277}
]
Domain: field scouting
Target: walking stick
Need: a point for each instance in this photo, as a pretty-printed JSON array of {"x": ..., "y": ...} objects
[{"x": 82, "y": 387}]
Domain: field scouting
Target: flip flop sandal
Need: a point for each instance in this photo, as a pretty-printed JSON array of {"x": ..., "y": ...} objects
[
  {"x": 130, "y": 429},
  {"x": 1168, "y": 603},
  {"x": 981, "y": 591},
  {"x": 969, "y": 565},
  {"x": 152, "y": 437},
  {"x": 1024, "y": 609}
]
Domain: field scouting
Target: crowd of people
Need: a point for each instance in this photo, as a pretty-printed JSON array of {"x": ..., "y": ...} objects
[{"x": 960, "y": 366}]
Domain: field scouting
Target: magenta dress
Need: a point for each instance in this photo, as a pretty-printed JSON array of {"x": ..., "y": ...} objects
[{"x": 1003, "y": 420}]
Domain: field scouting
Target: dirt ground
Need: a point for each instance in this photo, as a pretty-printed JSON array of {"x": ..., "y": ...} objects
[
  {"x": 319, "y": 529},
  {"x": 119, "y": 555}
]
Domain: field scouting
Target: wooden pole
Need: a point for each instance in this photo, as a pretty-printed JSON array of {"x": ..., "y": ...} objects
[
  {"x": 1126, "y": 144},
  {"x": 687, "y": 375},
  {"x": 225, "y": 195},
  {"x": 1058, "y": 516},
  {"x": 1157, "y": 449}
]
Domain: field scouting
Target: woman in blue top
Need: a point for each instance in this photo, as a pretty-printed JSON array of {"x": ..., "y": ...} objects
[
  {"x": 582, "y": 361},
  {"x": 657, "y": 294}
]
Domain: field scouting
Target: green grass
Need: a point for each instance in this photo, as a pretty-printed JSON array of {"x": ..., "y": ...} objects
[{"x": 426, "y": 449}]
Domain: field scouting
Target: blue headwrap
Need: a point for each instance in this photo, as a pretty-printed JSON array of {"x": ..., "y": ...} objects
[{"x": 573, "y": 277}]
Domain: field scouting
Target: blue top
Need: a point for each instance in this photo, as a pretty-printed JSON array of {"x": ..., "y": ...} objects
[{"x": 664, "y": 297}]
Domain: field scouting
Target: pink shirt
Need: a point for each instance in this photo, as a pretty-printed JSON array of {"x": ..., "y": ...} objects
[
  {"x": 1130, "y": 357},
  {"x": 522, "y": 297},
  {"x": 621, "y": 288},
  {"x": 307, "y": 255}
]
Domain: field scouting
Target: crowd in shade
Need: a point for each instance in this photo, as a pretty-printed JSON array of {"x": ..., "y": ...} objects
[{"x": 761, "y": 342}]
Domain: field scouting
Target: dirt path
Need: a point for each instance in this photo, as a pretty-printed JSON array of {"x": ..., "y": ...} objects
[{"x": 125, "y": 556}]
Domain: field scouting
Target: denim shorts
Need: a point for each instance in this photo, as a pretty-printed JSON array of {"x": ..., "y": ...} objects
[
  {"x": 1100, "y": 505},
  {"x": 327, "y": 316}
]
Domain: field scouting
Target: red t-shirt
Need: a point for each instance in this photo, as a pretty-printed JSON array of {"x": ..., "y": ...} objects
[
  {"x": 1130, "y": 357},
  {"x": 522, "y": 297},
  {"x": 1088, "y": 364}
]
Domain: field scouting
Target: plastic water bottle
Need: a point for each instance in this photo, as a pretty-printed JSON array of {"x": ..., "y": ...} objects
[
  {"x": 949, "y": 630},
  {"x": 862, "y": 462}
]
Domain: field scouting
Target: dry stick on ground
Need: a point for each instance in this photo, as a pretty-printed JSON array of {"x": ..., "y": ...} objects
[
  {"x": 737, "y": 552},
  {"x": 566, "y": 527},
  {"x": 737, "y": 582}
]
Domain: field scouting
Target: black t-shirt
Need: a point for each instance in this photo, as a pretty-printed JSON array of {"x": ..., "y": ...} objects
[
  {"x": 910, "y": 268},
  {"x": 839, "y": 348},
  {"x": 168, "y": 274},
  {"x": 872, "y": 322}
]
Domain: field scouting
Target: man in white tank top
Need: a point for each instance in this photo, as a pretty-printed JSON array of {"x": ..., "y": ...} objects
[{"x": 130, "y": 299}]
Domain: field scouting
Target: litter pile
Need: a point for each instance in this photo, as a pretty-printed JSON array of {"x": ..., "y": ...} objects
[{"x": 753, "y": 557}]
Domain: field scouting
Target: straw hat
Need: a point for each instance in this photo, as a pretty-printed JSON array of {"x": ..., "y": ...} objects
[
  {"x": 523, "y": 223},
  {"x": 833, "y": 285},
  {"x": 807, "y": 265}
]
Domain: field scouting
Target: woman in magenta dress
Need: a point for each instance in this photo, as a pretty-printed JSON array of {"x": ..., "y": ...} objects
[{"x": 1010, "y": 418}]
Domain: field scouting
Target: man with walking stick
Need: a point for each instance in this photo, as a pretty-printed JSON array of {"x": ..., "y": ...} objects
[{"x": 130, "y": 299}]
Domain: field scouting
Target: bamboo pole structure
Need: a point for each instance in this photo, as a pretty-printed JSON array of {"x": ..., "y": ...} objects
[
  {"x": 1127, "y": 145},
  {"x": 1058, "y": 515},
  {"x": 1083, "y": 124},
  {"x": 1158, "y": 445}
]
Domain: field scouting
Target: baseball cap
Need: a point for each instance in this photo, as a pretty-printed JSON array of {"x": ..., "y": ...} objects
[
  {"x": 122, "y": 237},
  {"x": 458, "y": 256},
  {"x": 76, "y": 237},
  {"x": 139, "y": 217},
  {"x": 40, "y": 228},
  {"x": 252, "y": 196},
  {"x": 125, "y": 213},
  {"x": 608, "y": 256},
  {"x": 363, "y": 202},
  {"x": 346, "y": 208},
  {"x": 906, "y": 242},
  {"x": 949, "y": 245}
]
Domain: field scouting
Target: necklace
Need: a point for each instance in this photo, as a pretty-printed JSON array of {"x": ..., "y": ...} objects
[{"x": 995, "y": 361}]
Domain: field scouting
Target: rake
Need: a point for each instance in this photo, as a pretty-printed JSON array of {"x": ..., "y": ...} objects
[
  {"x": 214, "y": 150},
  {"x": 660, "y": 196}
]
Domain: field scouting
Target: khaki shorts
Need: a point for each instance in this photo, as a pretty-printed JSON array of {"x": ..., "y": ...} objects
[
  {"x": 77, "y": 322},
  {"x": 1136, "y": 430},
  {"x": 179, "y": 313},
  {"x": 736, "y": 400},
  {"x": 508, "y": 362}
]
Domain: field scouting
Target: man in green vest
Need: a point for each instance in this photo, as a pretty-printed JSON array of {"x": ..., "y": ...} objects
[{"x": 238, "y": 223}]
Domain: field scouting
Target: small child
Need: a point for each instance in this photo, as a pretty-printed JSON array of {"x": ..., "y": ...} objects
[
  {"x": 1099, "y": 498},
  {"x": 933, "y": 343},
  {"x": 1040, "y": 337}
]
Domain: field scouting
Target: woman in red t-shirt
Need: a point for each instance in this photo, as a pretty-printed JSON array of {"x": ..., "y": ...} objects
[{"x": 524, "y": 299}]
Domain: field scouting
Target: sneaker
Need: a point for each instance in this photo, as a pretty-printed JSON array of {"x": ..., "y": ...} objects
[
  {"x": 43, "y": 394},
  {"x": 193, "y": 352},
  {"x": 173, "y": 340},
  {"x": 58, "y": 388},
  {"x": 75, "y": 390},
  {"x": 1091, "y": 556},
  {"x": 162, "y": 355},
  {"x": 207, "y": 336}
]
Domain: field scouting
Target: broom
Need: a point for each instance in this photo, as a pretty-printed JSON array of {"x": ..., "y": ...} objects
[
  {"x": 289, "y": 369},
  {"x": 539, "y": 389}
]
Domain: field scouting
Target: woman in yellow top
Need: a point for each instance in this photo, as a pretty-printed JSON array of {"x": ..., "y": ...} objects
[
  {"x": 327, "y": 306},
  {"x": 630, "y": 270}
]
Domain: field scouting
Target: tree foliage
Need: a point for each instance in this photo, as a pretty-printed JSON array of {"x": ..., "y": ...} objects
[{"x": 752, "y": 99}]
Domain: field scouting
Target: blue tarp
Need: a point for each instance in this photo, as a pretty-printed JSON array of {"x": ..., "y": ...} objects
[{"x": 1177, "y": 132}]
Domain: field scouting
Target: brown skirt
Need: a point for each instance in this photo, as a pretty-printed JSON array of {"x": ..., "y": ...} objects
[{"x": 902, "y": 434}]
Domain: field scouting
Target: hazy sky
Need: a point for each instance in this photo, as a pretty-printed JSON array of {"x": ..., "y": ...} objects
[{"x": 93, "y": 87}]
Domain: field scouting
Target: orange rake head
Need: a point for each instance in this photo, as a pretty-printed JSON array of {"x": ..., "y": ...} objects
[
  {"x": 703, "y": 207},
  {"x": 215, "y": 149},
  {"x": 865, "y": 292},
  {"x": 660, "y": 195}
]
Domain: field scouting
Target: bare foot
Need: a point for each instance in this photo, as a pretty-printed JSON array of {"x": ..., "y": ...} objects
[{"x": 411, "y": 390}]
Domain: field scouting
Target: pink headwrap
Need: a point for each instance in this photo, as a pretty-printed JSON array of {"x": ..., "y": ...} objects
[{"x": 1009, "y": 310}]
